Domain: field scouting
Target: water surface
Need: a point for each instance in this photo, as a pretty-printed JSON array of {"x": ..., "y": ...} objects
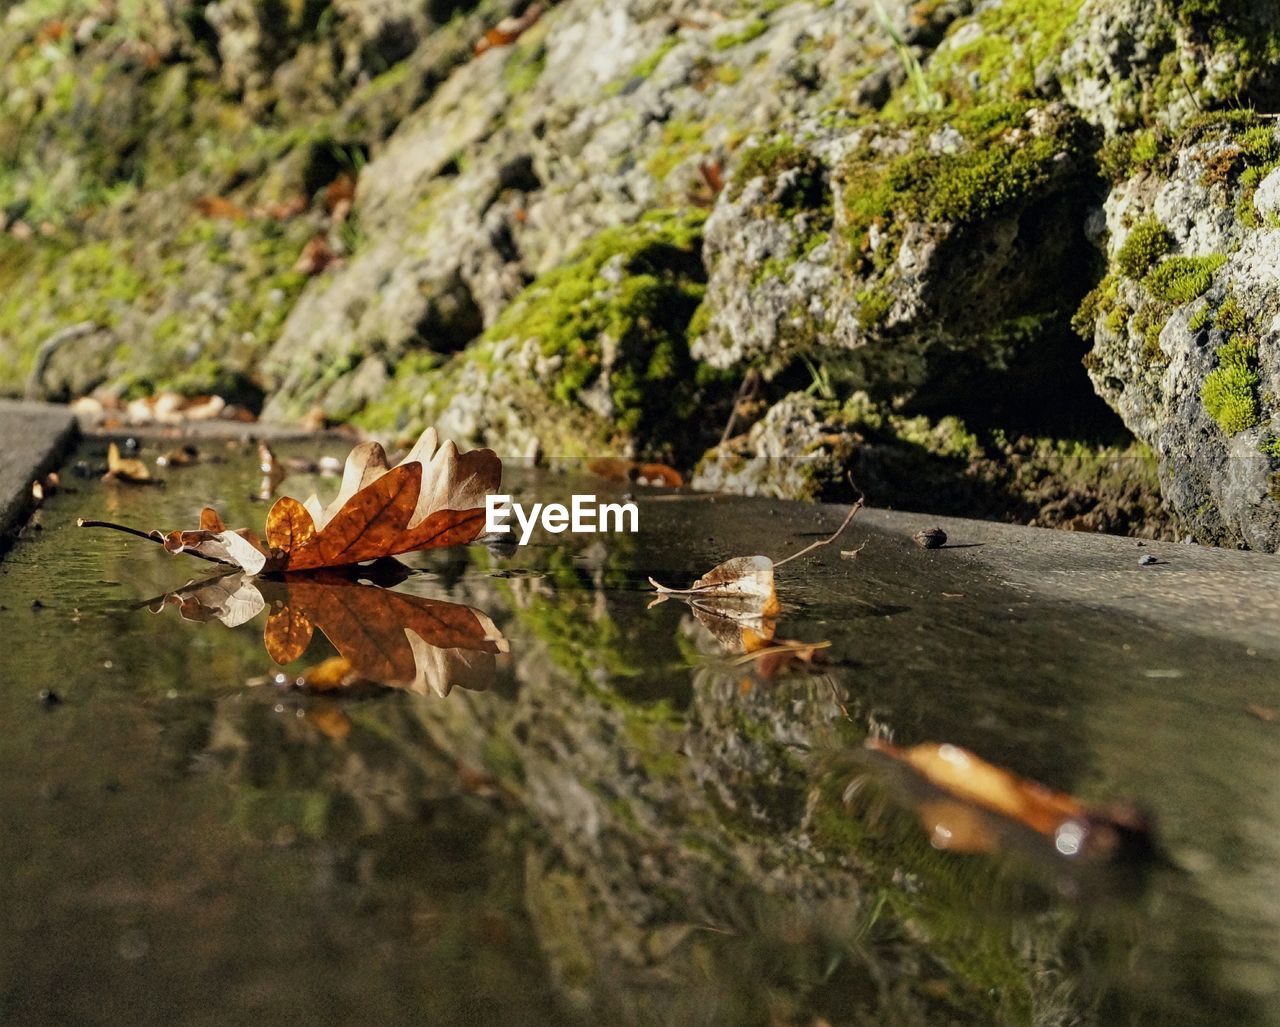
[{"x": 610, "y": 815}]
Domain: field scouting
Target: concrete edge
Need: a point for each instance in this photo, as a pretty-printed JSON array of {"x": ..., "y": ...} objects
[
  {"x": 36, "y": 438},
  {"x": 1185, "y": 588}
]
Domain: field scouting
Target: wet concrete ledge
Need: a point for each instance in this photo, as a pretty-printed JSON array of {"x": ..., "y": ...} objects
[
  {"x": 1188, "y": 589},
  {"x": 34, "y": 439}
]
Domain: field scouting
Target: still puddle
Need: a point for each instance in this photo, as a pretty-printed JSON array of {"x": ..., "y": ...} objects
[{"x": 542, "y": 800}]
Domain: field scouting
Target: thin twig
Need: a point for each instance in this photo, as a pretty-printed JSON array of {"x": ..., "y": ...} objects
[
  {"x": 835, "y": 696},
  {"x": 746, "y": 389},
  {"x": 826, "y": 541}
]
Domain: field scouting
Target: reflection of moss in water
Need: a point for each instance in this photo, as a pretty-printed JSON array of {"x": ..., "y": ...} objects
[{"x": 940, "y": 904}]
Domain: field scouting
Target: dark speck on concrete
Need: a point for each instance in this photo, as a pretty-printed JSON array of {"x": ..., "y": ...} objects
[{"x": 930, "y": 538}]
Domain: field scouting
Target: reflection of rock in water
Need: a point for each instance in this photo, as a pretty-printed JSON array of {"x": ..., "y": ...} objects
[
  {"x": 674, "y": 858},
  {"x": 689, "y": 869}
]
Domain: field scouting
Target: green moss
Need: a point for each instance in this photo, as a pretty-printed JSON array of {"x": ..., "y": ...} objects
[
  {"x": 806, "y": 188},
  {"x": 728, "y": 74},
  {"x": 633, "y": 289},
  {"x": 1100, "y": 302},
  {"x": 1146, "y": 243},
  {"x": 524, "y": 67},
  {"x": 752, "y": 30},
  {"x": 1269, "y": 445},
  {"x": 1201, "y": 318},
  {"x": 999, "y": 62},
  {"x": 873, "y": 307},
  {"x": 1230, "y": 391},
  {"x": 681, "y": 140},
  {"x": 1125, "y": 155},
  {"x": 1181, "y": 279},
  {"x": 650, "y": 64},
  {"x": 997, "y": 168}
]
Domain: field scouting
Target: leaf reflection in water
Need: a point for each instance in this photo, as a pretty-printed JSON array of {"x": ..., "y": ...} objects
[{"x": 383, "y": 637}]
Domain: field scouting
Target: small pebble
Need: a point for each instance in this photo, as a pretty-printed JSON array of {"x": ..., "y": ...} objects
[
  {"x": 36, "y": 604},
  {"x": 1147, "y": 560},
  {"x": 930, "y": 538},
  {"x": 48, "y": 697}
]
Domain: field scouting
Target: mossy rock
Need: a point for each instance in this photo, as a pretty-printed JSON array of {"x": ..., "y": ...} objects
[{"x": 593, "y": 356}]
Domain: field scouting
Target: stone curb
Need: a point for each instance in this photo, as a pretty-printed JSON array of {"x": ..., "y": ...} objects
[{"x": 34, "y": 439}]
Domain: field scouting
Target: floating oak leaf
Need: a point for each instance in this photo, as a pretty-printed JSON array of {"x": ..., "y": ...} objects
[
  {"x": 742, "y": 588},
  {"x": 738, "y": 589},
  {"x": 434, "y": 497},
  {"x": 959, "y": 787}
]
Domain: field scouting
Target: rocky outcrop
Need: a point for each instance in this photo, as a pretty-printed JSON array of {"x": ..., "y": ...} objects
[
  {"x": 1184, "y": 325},
  {"x": 891, "y": 199}
]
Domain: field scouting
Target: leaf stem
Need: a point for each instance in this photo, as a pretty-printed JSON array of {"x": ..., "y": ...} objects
[{"x": 150, "y": 536}]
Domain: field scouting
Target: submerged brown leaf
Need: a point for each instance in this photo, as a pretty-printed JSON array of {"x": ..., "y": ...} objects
[{"x": 962, "y": 786}]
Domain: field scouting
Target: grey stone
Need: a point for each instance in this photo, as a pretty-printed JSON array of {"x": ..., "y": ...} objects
[
  {"x": 1221, "y": 475},
  {"x": 36, "y": 437}
]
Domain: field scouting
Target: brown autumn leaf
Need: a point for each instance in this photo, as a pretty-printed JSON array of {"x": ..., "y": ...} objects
[
  {"x": 961, "y": 785},
  {"x": 738, "y": 589},
  {"x": 220, "y": 208},
  {"x": 434, "y": 497},
  {"x": 630, "y": 471},
  {"x": 508, "y": 30},
  {"x": 385, "y": 637},
  {"x": 128, "y": 469},
  {"x": 316, "y": 255},
  {"x": 213, "y": 541},
  {"x": 340, "y": 193}
]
